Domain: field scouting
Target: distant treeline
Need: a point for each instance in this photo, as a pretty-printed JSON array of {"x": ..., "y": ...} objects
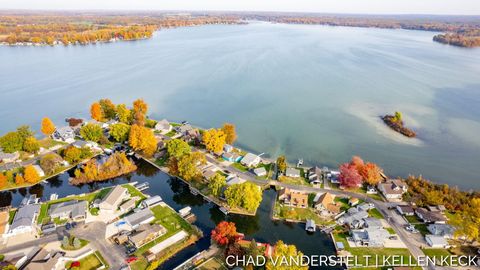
[
  {"x": 464, "y": 33},
  {"x": 82, "y": 29}
]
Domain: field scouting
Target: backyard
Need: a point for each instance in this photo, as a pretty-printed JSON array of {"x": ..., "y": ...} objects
[{"x": 91, "y": 262}]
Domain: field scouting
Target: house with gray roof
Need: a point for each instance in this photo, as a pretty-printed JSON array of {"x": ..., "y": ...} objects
[
  {"x": 114, "y": 198},
  {"x": 250, "y": 160},
  {"x": 444, "y": 230},
  {"x": 393, "y": 189},
  {"x": 75, "y": 210},
  {"x": 25, "y": 220},
  {"x": 64, "y": 134},
  {"x": 292, "y": 172},
  {"x": 436, "y": 241},
  {"x": 315, "y": 175},
  {"x": 260, "y": 171},
  {"x": 152, "y": 201},
  {"x": 371, "y": 237},
  {"x": 143, "y": 216},
  {"x": 8, "y": 157},
  {"x": 163, "y": 126}
]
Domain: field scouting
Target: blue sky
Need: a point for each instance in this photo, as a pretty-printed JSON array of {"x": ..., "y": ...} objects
[{"x": 467, "y": 7}]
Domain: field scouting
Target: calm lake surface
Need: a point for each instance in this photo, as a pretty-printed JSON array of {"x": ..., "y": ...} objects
[
  {"x": 176, "y": 194},
  {"x": 312, "y": 92}
]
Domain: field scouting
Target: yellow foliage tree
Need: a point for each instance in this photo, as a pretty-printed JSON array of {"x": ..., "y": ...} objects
[
  {"x": 96, "y": 112},
  {"x": 47, "y": 126},
  {"x": 142, "y": 139},
  {"x": 214, "y": 140},
  {"x": 19, "y": 180},
  {"x": 140, "y": 109},
  {"x": 31, "y": 175},
  {"x": 229, "y": 130},
  {"x": 3, "y": 180}
]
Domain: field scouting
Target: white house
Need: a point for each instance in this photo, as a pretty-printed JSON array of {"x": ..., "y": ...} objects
[
  {"x": 64, "y": 134},
  {"x": 9, "y": 157},
  {"x": 292, "y": 172},
  {"x": 436, "y": 241},
  {"x": 260, "y": 171},
  {"x": 152, "y": 201},
  {"x": 393, "y": 189},
  {"x": 163, "y": 126},
  {"x": 250, "y": 160},
  {"x": 39, "y": 170},
  {"x": 143, "y": 216},
  {"x": 25, "y": 220},
  {"x": 114, "y": 198}
]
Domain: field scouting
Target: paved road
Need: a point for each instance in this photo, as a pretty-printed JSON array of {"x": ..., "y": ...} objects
[{"x": 58, "y": 236}]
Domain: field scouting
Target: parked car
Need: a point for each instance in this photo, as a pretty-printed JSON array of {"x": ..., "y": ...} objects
[
  {"x": 131, "y": 259},
  {"x": 130, "y": 249}
]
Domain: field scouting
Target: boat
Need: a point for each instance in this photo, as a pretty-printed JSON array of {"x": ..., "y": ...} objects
[
  {"x": 300, "y": 162},
  {"x": 310, "y": 226},
  {"x": 142, "y": 186},
  {"x": 224, "y": 210},
  {"x": 193, "y": 191}
]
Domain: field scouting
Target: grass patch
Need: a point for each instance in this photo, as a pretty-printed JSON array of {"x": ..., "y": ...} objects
[
  {"x": 390, "y": 230},
  {"x": 59, "y": 221},
  {"x": 299, "y": 214},
  {"x": 239, "y": 167},
  {"x": 161, "y": 161},
  {"x": 11, "y": 216},
  {"x": 70, "y": 245},
  {"x": 375, "y": 213},
  {"x": 293, "y": 180},
  {"x": 438, "y": 253},
  {"x": 134, "y": 192},
  {"x": 171, "y": 133},
  {"x": 91, "y": 262},
  {"x": 413, "y": 219},
  {"x": 422, "y": 228}
]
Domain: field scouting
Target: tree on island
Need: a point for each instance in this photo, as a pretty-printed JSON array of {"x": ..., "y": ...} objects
[
  {"x": 120, "y": 132},
  {"x": 3, "y": 180},
  {"x": 91, "y": 132},
  {"x": 47, "y": 126},
  {"x": 109, "y": 110},
  {"x": 216, "y": 183},
  {"x": 188, "y": 165},
  {"x": 349, "y": 176},
  {"x": 229, "y": 130},
  {"x": 31, "y": 145},
  {"x": 246, "y": 195},
  {"x": 214, "y": 140},
  {"x": 142, "y": 139},
  {"x": 282, "y": 163},
  {"x": 282, "y": 250},
  {"x": 398, "y": 117},
  {"x": 96, "y": 112},
  {"x": 225, "y": 233},
  {"x": 124, "y": 114}
]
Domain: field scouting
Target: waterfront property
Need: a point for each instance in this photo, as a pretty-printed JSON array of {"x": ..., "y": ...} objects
[
  {"x": 163, "y": 126},
  {"x": 294, "y": 198},
  {"x": 141, "y": 217},
  {"x": 146, "y": 233},
  {"x": 64, "y": 134},
  {"x": 24, "y": 220},
  {"x": 114, "y": 198},
  {"x": 393, "y": 189},
  {"x": 430, "y": 216},
  {"x": 327, "y": 206},
  {"x": 75, "y": 210},
  {"x": 250, "y": 160},
  {"x": 436, "y": 241}
]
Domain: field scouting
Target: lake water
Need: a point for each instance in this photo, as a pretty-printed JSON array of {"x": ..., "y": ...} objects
[
  {"x": 176, "y": 194},
  {"x": 312, "y": 92}
]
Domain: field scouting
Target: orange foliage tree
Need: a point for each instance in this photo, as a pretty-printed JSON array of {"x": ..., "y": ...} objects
[
  {"x": 371, "y": 173},
  {"x": 96, "y": 112},
  {"x": 140, "y": 109},
  {"x": 47, "y": 126},
  {"x": 229, "y": 130},
  {"x": 225, "y": 233},
  {"x": 142, "y": 139},
  {"x": 31, "y": 175},
  {"x": 19, "y": 180},
  {"x": 3, "y": 180}
]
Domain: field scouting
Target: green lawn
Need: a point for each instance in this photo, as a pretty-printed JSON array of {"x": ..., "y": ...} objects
[
  {"x": 239, "y": 167},
  {"x": 413, "y": 219},
  {"x": 375, "y": 213},
  {"x": 438, "y": 253},
  {"x": 422, "y": 228},
  {"x": 91, "y": 262},
  {"x": 171, "y": 133},
  {"x": 71, "y": 247},
  {"x": 293, "y": 180},
  {"x": 11, "y": 215},
  {"x": 299, "y": 214},
  {"x": 390, "y": 230},
  {"x": 134, "y": 192}
]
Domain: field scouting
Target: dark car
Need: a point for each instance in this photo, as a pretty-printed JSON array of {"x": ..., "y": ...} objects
[{"x": 130, "y": 249}]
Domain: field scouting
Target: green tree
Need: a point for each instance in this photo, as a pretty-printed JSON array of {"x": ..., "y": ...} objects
[
  {"x": 233, "y": 195},
  {"x": 252, "y": 196},
  {"x": 120, "y": 132},
  {"x": 11, "y": 142},
  {"x": 398, "y": 117},
  {"x": 216, "y": 183},
  {"x": 177, "y": 148},
  {"x": 124, "y": 114},
  {"x": 72, "y": 154},
  {"x": 188, "y": 165},
  {"x": 31, "y": 145},
  {"x": 282, "y": 163},
  {"x": 25, "y": 132},
  {"x": 140, "y": 109},
  {"x": 108, "y": 108},
  {"x": 91, "y": 132}
]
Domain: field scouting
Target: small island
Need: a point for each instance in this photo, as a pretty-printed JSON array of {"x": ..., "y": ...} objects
[{"x": 395, "y": 122}]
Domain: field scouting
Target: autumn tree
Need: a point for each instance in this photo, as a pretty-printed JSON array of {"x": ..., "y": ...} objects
[
  {"x": 216, "y": 183},
  {"x": 96, "y": 112},
  {"x": 31, "y": 145},
  {"x": 282, "y": 163},
  {"x": 109, "y": 110},
  {"x": 3, "y": 180},
  {"x": 19, "y": 180},
  {"x": 357, "y": 162},
  {"x": 47, "y": 126},
  {"x": 31, "y": 175},
  {"x": 349, "y": 176},
  {"x": 225, "y": 233},
  {"x": 177, "y": 148},
  {"x": 72, "y": 154},
  {"x": 230, "y": 133},
  {"x": 140, "y": 109},
  {"x": 91, "y": 132},
  {"x": 371, "y": 173},
  {"x": 246, "y": 195},
  {"x": 50, "y": 163},
  {"x": 214, "y": 140},
  {"x": 120, "y": 132},
  {"x": 281, "y": 251},
  {"x": 124, "y": 114},
  {"x": 143, "y": 140},
  {"x": 11, "y": 142},
  {"x": 188, "y": 165}
]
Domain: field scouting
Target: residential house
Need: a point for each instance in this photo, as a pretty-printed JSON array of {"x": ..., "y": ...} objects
[
  {"x": 8, "y": 157},
  {"x": 436, "y": 208},
  {"x": 64, "y": 134},
  {"x": 333, "y": 176},
  {"x": 314, "y": 175},
  {"x": 143, "y": 216},
  {"x": 25, "y": 220},
  {"x": 371, "y": 190},
  {"x": 227, "y": 148},
  {"x": 163, "y": 126},
  {"x": 353, "y": 201},
  {"x": 146, "y": 233},
  {"x": 354, "y": 218},
  {"x": 152, "y": 201},
  {"x": 233, "y": 179},
  {"x": 128, "y": 205},
  {"x": 326, "y": 205},
  {"x": 430, "y": 217},
  {"x": 75, "y": 210},
  {"x": 188, "y": 132},
  {"x": 260, "y": 171},
  {"x": 372, "y": 223},
  {"x": 292, "y": 172},
  {"x": 405, "y": 210},
  {"x": 208, "y": 173},
  {"x": 114, "y": 198},
  {"x": 39, "y": 170},
  {"x": 293, "y": 198},
  {"x": 86, "y": 144},
  {"x": 371, "y": 237},
  {"x": 250, "y": 160},
  {"x": 232, "y": 157},
  {"x": 436, "y": 241},
  {"x": 393, "y": 189},
  {"x": 46, "y": 260},
  {"x": 443, "y": 230}
]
